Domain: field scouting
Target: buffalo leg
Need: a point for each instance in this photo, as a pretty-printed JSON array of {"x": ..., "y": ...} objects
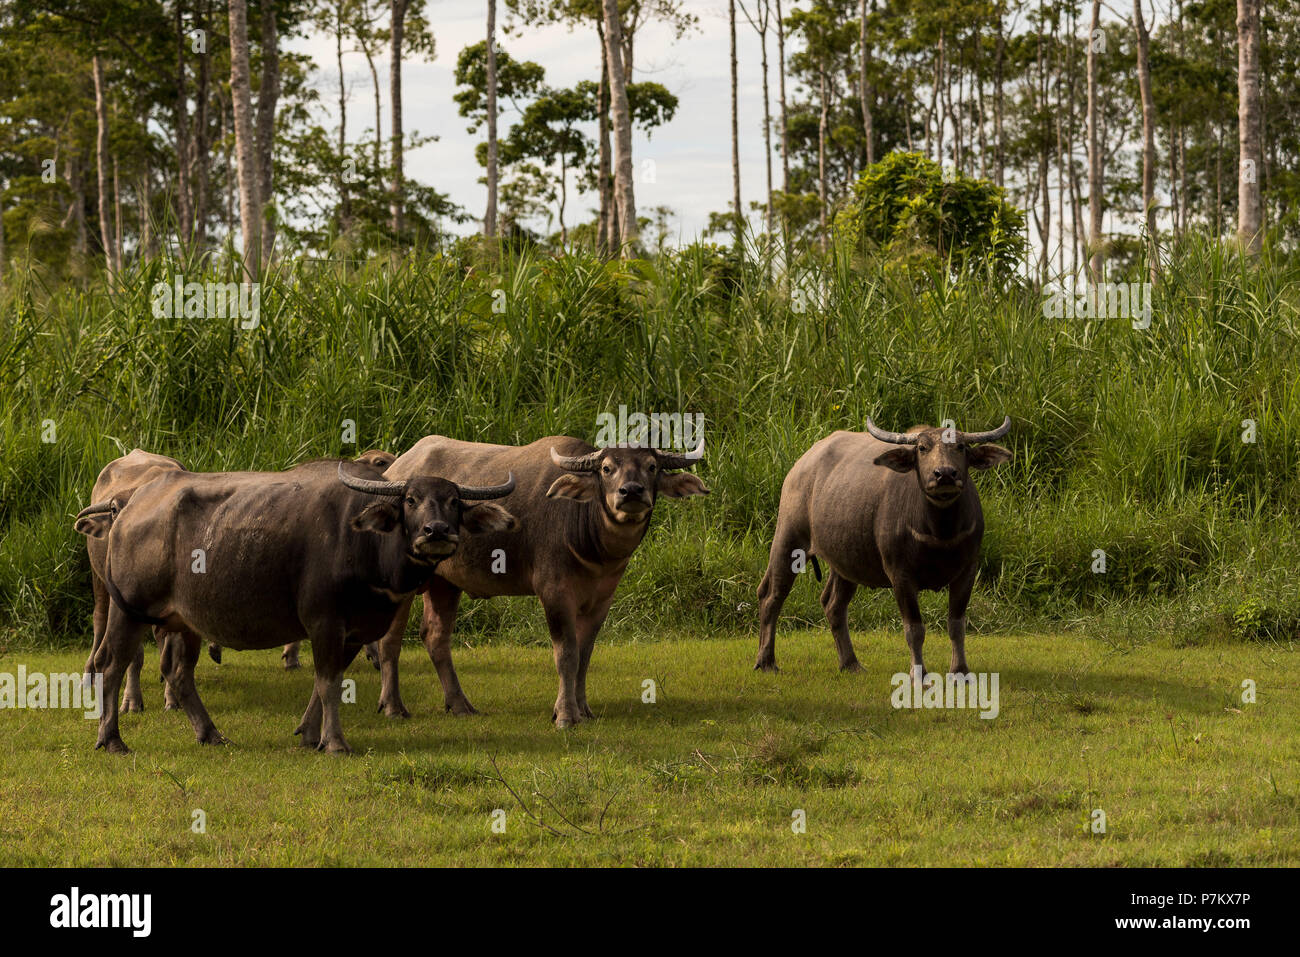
[
  {"x": 958, "y": 599},
  {"x": 170, "y": 650},
  {"x": 772, "y": 593},
  {"x": 588, "y": 627},
  {"x": 121, "y": 639},
  {"x": 835, "y": 602},
  {"x": 132, "y": 697},
  {"x": 180, "y": 657},
  {"x": 312, "y": 726},
  {"x": 290, "y": 656},
  {"x": 100, "y": 620},
  {"x": 390, "y": 649},
  {"x": 564, "y": 646},
  {"x": 436, "y": 624},
  {"x": 913, "y": 626}
]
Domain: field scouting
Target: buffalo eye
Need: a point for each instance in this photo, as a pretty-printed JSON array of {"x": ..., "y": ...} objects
[
  {"x": 651, "y": 468},
  {"x": 606, "y": 470},
  {"x": 410, "y": 500}
]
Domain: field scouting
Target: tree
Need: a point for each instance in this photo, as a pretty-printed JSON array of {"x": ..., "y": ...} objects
[
  {"x": 1097, "y": 259},
  {"x": 245, "y": 148},
  {"x": 268, "y": 96},
  {"x": 490, "y": 217},
  {"x": 395, "y": 32},
  {"x": 1148, "y": 128},
  {"x": 548, "y": 131},
  {"x": 624, "y": 193},
  {"x": 1250, "y": 167}
]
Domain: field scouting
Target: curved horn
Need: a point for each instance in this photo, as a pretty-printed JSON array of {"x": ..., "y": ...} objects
[
  {"x": 487, "y": 491},
  {"x": 371, "y": 486},
  {"x": 681, "y": 460},
  {"x": 576, "y": 463},
  {"x": 98, "y": 509},
  {"x": 894, "y": 438},
  {"x": 992, "y": 436}
]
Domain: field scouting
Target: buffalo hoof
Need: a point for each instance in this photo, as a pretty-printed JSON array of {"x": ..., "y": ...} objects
[
  {"x": 214, "y": 652},
  {"x": 291, "y": 664},
  {"x": 212, "y": 736},
  {"x": 113, "y": 745},
  {"x": 337, "y": 746},
  {"x": 393, "y": 710},
  {"x": 959, "y": 670},
  {"x": 853, "y": 667},
  {"x": 768, "y": 666},
  {"x": 566, "y": 720},
  {"x": 133, "y": 704},
  {"x": 586, "y": 712},
  {"x": 461, "y": 707},
  {"x": 310, "y": 737},
  {"x": 170, "y": 705}
]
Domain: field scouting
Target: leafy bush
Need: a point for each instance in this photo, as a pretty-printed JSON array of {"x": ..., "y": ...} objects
[{"x": 906, "y": 207}]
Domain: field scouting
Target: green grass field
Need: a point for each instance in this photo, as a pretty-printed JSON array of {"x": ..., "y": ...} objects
[{"x": 1156, "y": 736}]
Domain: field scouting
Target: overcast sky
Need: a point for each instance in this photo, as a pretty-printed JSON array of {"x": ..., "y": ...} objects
[{"x": 691, "y": 154}]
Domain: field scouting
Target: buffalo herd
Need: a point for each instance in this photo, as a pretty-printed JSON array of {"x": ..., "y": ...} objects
[{"x": 335, "y": 551}]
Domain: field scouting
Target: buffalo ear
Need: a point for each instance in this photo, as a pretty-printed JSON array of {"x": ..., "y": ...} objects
[
  {"x": 94, "y": 526},
  {"x": 987, "y": 456},
  {"x": 579, "y": 486},
  {"x": 681, "y": 485},
  {"x": 900, "y": 459},
  {"x": 380, "y": 517},
  {"x": 377, "y": 458},
  {"x": 488, "y": 517}
]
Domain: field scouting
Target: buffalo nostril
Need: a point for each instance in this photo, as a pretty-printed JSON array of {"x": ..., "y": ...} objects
[
  {"x": 436, "y": 528},
  {"x": 632, "y": 488}
]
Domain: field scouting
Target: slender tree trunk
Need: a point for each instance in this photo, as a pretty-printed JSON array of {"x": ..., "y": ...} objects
[
  {"x": 785, "y": 116},
  {"x": 184, "y": 210},
  {"x": 1096, "y": 242},
  {"x": 823, "y": 128},
  {"x": 398, "y": 188},
  {"x": 344, "y": 186},
  {"x": 379, "y": 109},
  {"x": 77, "y": 181},
  {"x": 490, "y": 217},
  {"x": 267, "y": 99},
  {"x": 766, "y": 16},
  {"x": 1045, "y": 221},
  {"x": 3, "y": 253},
  {"x": 864, "y": 88},
  {"x": 101, "y": 165},
  {"x": 1148, "y": 129},
  {"x": 1250, "y": 214},
  {"x": 1000, "y": 157},
  {"x": 241, "y": 96},
  {"x": 624, "y": 192},
  {"x": 202, "y": 161},
  {"x": 737, "y": 210},
  {"x": 117, "y": 216},
  {"x": 606, "y": 232}
]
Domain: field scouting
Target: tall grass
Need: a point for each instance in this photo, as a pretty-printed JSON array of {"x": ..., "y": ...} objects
[{"x": 1126, "y": 440}]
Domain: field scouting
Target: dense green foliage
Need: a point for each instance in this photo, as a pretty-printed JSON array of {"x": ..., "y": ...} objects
[
  {"x": 906, "y": 207},
  {"x": 1126, "y": 440}
]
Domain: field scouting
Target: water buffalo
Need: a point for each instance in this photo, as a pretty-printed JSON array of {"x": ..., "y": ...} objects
[
  {"x": 115, "y": 483},
  {"x": 583, "y": 512},
  {"x": 885, "y": 510},
  {"x": 258, "y": 559}
]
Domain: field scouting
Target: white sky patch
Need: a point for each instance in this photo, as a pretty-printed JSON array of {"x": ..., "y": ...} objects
[{"x": 691, "y": 153}]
